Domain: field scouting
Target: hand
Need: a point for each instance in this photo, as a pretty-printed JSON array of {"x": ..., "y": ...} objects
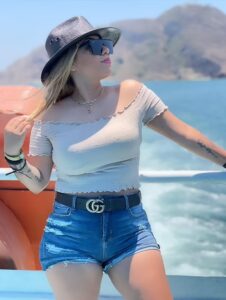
[{"x": 14, "y": 134}]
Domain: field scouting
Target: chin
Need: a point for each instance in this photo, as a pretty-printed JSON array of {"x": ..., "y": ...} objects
[{"x": 105, "y": 76}]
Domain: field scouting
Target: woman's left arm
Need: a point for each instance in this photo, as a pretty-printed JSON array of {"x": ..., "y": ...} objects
[{"x": 188, "y": 137}]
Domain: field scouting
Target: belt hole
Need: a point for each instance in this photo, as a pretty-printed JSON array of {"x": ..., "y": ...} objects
[
  {"x": 127, "y": 201},
  {"x": 74, "y": 201}
]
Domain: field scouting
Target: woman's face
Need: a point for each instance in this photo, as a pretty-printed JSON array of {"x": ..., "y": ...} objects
[{"x": 89, "y": 65}]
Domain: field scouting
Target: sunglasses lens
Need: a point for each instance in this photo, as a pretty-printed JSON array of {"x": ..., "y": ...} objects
[{"x": 97, "y": 46}]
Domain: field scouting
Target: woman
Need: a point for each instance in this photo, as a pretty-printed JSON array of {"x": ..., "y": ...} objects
[{"x": 98, "y": 222}]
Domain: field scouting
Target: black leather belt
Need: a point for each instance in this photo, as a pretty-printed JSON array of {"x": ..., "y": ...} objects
[{"x": 101, "y": 203}]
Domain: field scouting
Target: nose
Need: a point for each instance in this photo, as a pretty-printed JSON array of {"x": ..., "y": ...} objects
[{"x": 105, "y": 50}]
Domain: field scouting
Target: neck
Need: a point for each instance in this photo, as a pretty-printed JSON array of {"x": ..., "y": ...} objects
[{"x": 87, "y": 90}]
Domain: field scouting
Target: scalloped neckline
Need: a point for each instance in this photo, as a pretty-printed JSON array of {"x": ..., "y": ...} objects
[{"x": 115, "y": 114}]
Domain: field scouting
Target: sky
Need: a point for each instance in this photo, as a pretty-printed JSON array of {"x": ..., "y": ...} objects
[{"x": 25, "y": 24}]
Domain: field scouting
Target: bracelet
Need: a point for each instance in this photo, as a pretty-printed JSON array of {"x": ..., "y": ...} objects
[
  {"x": 14, "y": 157},
  {"x": 224, "y": 165},
  {"x": 14, "y": 162},
  {"x": 17, "y": 170}
]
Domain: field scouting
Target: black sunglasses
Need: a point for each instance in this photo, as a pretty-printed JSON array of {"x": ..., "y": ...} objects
[{"x": 95, "y": 46}]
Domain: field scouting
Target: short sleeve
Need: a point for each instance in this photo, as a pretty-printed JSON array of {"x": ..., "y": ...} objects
[
  {"x": 152, "y": 105},
  {"x": 39, "y": 142}
]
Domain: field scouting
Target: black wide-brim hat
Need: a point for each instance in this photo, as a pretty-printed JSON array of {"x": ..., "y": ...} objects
[{"x": 69, "y": 33}]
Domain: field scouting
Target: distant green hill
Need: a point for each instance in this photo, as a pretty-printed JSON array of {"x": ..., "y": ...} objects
[{"x": 186, "y": 42}]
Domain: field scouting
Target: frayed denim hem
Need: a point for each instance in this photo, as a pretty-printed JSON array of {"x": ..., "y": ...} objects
[{"x": 125, "y": 255}]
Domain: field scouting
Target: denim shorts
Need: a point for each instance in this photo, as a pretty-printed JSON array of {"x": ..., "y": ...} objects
[{"x": 79, "y": 236}]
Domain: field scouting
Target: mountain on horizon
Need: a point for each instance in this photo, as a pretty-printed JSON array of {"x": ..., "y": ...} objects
[{"x": 185, "y": 42}]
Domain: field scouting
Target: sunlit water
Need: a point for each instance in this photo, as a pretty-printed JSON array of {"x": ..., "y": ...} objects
[{"x": 188, "y": 220}]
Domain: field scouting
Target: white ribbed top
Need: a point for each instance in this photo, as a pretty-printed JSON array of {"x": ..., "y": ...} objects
[{"x": 98, "y": 156}]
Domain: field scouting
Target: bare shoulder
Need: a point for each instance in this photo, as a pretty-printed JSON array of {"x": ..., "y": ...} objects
[
  {"x": 131, "y": 87},
  {"x": 131, "y": 84}
]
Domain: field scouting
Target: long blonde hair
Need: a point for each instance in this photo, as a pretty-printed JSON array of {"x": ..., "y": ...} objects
[{"x": 59, "y": 83}]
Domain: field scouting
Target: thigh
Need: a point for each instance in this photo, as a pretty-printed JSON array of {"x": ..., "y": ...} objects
[
  {"x": 75, "y": 281},
  {"x": 141, "y": 276}
]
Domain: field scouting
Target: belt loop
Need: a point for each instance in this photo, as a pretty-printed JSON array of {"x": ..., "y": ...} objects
[
  {"x": 74, "y": 201},
  {"x": 127, "y": 201}
]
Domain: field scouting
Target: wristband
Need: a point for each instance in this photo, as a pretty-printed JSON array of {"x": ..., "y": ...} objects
[
  {"x": 14, "y": 162},
  {"x": 15, "y": 157}
]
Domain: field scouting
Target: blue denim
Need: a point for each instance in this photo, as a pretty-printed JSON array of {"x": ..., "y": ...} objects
[{"x": 79, "y": 236}]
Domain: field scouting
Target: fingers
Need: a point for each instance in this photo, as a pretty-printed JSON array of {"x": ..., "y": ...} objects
[
  {"x": 22, "y": 126},
  {"x": 19, "y": 125},
  {"x": 15, "y": 121}
]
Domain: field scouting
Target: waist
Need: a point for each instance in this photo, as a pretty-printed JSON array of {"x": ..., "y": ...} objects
[
  {"x": 122, "y": 192},
  {"x": 99, "y": 203},
  {"x": 97, "y": 182}
]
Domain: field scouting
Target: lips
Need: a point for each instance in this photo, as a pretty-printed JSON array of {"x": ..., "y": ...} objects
[{"x": 106, "y": 61}]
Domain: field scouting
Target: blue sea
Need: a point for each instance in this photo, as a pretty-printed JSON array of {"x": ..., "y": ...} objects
[{"x": 188, "y": 220}]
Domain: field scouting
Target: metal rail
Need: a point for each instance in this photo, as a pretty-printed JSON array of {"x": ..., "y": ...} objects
[{"x": 153, "y": 176}]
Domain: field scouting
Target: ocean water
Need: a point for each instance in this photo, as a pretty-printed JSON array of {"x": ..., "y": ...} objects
[{"x": 188, "y": 220}]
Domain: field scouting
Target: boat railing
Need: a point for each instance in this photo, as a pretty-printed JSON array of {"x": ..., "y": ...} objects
[{"x": 169, "y": 176}]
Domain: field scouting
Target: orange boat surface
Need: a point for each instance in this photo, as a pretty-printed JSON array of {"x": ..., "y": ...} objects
[{"x": 22, "y": 213}]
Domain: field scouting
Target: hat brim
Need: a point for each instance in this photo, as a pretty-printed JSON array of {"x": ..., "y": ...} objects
[{"x": 111, "y": 33}]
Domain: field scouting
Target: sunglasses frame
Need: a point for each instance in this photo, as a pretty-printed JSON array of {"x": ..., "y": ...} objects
[{"x": 95, "y": 45}]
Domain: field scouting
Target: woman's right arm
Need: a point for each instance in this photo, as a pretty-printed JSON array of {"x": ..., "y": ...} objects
[{"x": 36, "y": 173}]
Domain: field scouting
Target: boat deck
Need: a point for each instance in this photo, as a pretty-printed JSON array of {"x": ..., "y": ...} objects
[{"x": 19, "y": 284}]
